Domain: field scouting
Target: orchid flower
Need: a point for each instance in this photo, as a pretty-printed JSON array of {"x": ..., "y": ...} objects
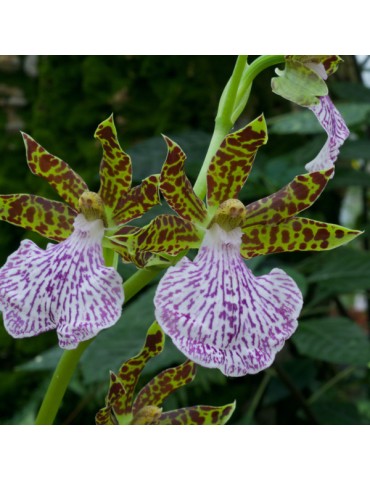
[
  {"x": 67, "y": 287},
  {"x": 214, "y": 309},
  {"x": 303, "y": 82},
  {"x": 146, "y": 409}
]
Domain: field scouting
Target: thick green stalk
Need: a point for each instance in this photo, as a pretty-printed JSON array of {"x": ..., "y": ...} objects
[
  {"x": 232, "y": 103},
  {"x": 222, "y": 123},
  {"x": 70, "y": 358},
  {"x": 257, "y": 397}
]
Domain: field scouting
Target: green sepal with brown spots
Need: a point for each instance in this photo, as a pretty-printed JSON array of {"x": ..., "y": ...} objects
[
  {"x": 329, "y": 63},
  {"x": 138, "y": 200},
  {"x": 67, "y": 183},
  {"x": 105, "y": 417},
  {"x": 166, "y": 233},
  {"x": 115, "y": 410},
  {"x": 301, "y": 82},
  {"x": 139, "y": 258},
  {"x": 115, "y": 168},
  {"x": 157, "y": 390},
  {"x": 294, "y": 234},
  {"x": 295, "y": 197},
  {"x": 130, "y": 371},
  {"x": 176, "y": 187},
  {"x": 49, "y": 218},
  {"x": 230, "y": 167},
  {"x": 198, "y": 415}
]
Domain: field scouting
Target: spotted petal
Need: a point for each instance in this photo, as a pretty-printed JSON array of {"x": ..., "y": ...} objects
[
  {"x": 68, "y": 184},
  {"x": 294, "y": 234},
  {"x": 337, "y": 131},
  {"x": 230, "y": 167},
  {"x": 130, "y": 371},
  {"x": 219, "y": 314},
  {"x": 115, "y": 168},
  {"x": 198, "y": 415},
  {"x": 176, "y": 187},
  {"x": 295, "y": 197},
  {"x": 49, "y": 218},
  {"x": 166, "y": 233},
  {"x": 138, "y": 200},
  {"x": 165, "y": 383},
  {"x": 66, "y": 287}
]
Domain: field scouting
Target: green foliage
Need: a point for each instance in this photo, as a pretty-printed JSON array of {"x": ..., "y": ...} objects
[{"x": 335, "y": 340}]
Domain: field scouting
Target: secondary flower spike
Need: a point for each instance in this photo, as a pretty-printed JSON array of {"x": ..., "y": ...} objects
[
  {"x": 66, "y": 287},
  {"x": 122, "y": 407},
  {"x": 303, "y": 82},
  {"x": 215, "y": 310}
]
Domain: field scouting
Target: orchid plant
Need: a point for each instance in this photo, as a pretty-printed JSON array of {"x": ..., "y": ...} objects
[{"x": 215, "y": 310}]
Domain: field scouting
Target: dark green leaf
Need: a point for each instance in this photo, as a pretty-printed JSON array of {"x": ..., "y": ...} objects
[
  {"x": 336, "y": 340},
  {"x": 343, "y": 270},
  {"x": 337, "y": 413},
  {"x": 148, "y": 156}
]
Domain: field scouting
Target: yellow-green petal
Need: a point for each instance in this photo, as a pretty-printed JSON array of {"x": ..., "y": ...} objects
[
  {"x": 137, "y": 201},
  {"x": 294, "y": 234},
  {"x": 165, "y": 383},
  {"x": 165, "y": 234},
  {"x": 67, "y": 183},
  {"x": 295, "y": 197},
  {"x": 130, "y": 371},
  {"x": 115, "y": 168},
  {"x": 176, "y": 187},
  {"x": 49, "y": 218},
  {"x": 198, "y": 415},
  {"x": 232, "y": 163}
]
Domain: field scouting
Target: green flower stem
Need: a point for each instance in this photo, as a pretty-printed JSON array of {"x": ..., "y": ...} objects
[
  {"x": 222, "y": 123},
  {"x": 232, "y": 103},
  {"x": 250, "y": 73},
  {"x": 257, "y": 397},
  {"x": 328, "y": 385},
  {"x": 70, "y": 358}
]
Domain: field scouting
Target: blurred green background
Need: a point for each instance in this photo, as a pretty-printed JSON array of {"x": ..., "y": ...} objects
[{"x": 322, "y": 374}]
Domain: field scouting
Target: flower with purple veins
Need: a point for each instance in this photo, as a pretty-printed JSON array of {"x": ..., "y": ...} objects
[
  {"x": 67, "y": 287},
  {"x": 213, "y": 308},
  {"x": 303, "y": 82}
]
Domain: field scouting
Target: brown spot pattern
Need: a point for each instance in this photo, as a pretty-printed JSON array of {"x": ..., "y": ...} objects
[
  {"x": 157, "y": 390},
  {"x": 49, "y": 218},
  {"x": 295, "y": 197},
  {"x": 168, "y": 233},
  {"x": 115, "y": 167},
  {"x": 67, "y": 183},
  {"x": 176, "y": 187},
  {"x": 230, "y": 167},
  {"x": 138, "y": 200},
  {"x": 293, "y": 234}
]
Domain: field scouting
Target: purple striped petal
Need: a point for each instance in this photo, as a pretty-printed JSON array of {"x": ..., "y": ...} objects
[
  {"x": 66, "y": 287},
  {"x": 333, "y": 123},
  {"x": 219, "y": 314}
]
